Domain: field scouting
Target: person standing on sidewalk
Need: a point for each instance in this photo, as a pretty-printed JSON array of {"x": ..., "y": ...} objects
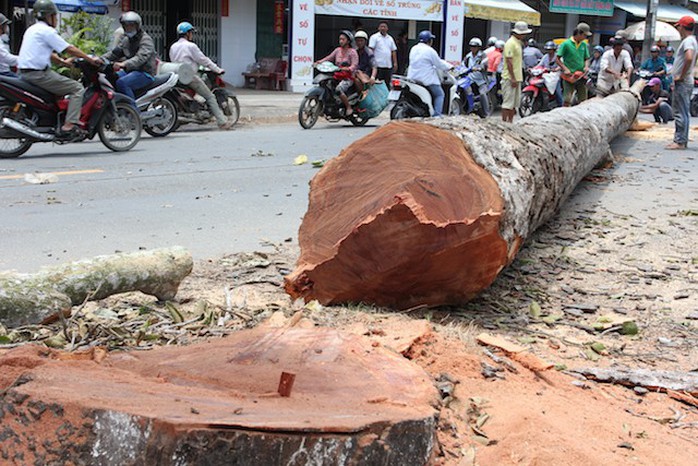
[
  {"x": 573, "y": 57},
  {"x": 384, "y": 52},
  {"x": 682, "y": 72},
  {"x": 186, "y": 51},
  {"x": 512, "y": 71}
]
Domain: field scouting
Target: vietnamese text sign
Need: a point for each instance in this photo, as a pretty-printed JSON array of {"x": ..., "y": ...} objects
[
  {"x": 419, "y": 10},
  {"x": 453, "y": 43},
  {"x": 303, "y": 43},
  {"x": 584, "y": 7}
]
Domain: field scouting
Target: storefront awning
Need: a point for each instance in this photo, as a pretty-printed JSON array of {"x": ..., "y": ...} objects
[
  {"x": 502, "y": 10},
  {"x": 665, "y": 12},
  {"x": 72, "y": 6}
]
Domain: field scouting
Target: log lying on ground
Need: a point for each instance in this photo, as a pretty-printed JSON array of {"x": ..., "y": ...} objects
[
  {"x": 656, "y": 380},
  {"x": 35, "y": 298},
  {"x": 429, "y": 212},
  {"x": 217, "y": 403}
]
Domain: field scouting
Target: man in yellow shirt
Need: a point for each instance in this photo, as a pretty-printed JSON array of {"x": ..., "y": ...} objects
[{"x": 512, "y": 71}]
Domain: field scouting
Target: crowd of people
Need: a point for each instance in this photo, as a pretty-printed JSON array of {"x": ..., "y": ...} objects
[{"x": 133, "y": 56}]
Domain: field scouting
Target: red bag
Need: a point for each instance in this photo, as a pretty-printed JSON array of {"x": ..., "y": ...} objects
[{"x": 342, "y": 75}]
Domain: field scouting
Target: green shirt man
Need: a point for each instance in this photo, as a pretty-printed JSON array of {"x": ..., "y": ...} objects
[{"x": 573, "y": 57}]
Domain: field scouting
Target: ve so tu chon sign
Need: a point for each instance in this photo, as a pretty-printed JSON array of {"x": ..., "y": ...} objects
[{"x": 421, "y": 10}]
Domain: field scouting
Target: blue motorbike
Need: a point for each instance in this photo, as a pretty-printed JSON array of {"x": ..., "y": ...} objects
[{"x": 469, "y": 92}]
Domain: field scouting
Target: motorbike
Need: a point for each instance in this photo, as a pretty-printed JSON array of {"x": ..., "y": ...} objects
[
  {"x": 322, "y": 99},
  {"x": 538, "y": 95},
  {"x": 189, "y": 107},
  {"x": 158, "y": 112},
  {"x": 694, "y": 99},
  {"x": 469, "y": 92},
  {"x": 29, "y": 114},
  {"x": 412, "y": 99}
]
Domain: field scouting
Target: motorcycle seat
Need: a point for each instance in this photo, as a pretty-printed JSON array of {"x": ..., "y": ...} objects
[
  {"x": 29, "y": 87},
  {"x": 159, "y": 81}
]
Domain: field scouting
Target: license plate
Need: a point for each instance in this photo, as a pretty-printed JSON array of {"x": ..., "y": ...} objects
[{"x": 394, "y": 95}]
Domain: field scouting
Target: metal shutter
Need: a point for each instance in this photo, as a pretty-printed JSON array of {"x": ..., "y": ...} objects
[{"x": 205, "y": 15}]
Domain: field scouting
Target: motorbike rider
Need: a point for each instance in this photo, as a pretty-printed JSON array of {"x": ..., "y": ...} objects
[
  {"x": 531, "y": 54},
  {"x": 491, "y": 45},
  {"x": 595, "y": 63},
  {"x": 134, "y": 56},
  {"x": 7, "y": 59},
  {"x": 367, "y": 69},
  {"x": 186, "y": 51},
  {"x": 39, "y": 48},
  {"x": 424, "y": 66},
  {"x": 549, "y": 62},
  {"x": 346, "y": 58},
  {"x": 476, "y": 61},
  {"x": 656, "y": 65}
]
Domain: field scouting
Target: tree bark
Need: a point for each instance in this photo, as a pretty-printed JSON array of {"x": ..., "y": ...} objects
[
  {"x": 35, "y": 298},
  {"x": 429, "y": 212}
]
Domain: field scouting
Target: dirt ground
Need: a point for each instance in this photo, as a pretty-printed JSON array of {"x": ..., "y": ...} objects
[{"x": 600, "y": 286}]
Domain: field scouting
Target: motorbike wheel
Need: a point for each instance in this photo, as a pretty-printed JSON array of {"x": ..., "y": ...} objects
[
  {"x": 11, "y": 148},
  {"x": 170, "y": 113},
  {"x": 358, "y": 120},
  {"x": 455, "y": 108},
  {"x": 528, "y": 104},
  {"x": 400, "y": 111},
  {"x": 309, "y": 112},
  {"x": 120, "y": 130},
  {"x": 694, "y": 106},
  {"x": 230, "y": 106}
]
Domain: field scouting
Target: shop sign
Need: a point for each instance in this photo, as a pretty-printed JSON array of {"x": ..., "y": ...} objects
[
  {"x": 583, "y": 7},
  {"x": 303, "y": 43},
  {"x": 453, "y": 46},
  {"x": 419, "y": 10},
  {"x": 279, "y": 17}
]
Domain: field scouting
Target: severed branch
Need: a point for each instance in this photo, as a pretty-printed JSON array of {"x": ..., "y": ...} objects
[
  {"x": 682, "y": 386},
  {"x": 53, "y": 291}
]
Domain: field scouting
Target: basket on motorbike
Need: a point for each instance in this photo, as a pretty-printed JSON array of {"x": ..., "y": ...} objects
[{"x": 374, "y": 100}]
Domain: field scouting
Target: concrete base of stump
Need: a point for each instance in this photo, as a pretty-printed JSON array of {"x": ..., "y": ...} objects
[{"x": 217, "y": 403}]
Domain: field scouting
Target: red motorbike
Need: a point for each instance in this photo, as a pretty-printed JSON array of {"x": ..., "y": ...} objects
[
  {"x": 538, "y": 95},
  {"x": 29, "y": 114}
]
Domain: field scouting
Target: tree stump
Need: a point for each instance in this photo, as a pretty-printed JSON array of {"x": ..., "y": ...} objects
[
  {"x": 217, "y": 403},
  {"x": 429, "y": 212}
]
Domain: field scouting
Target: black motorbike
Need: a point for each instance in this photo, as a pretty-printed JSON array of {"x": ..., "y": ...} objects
[{"x": 322, "y": 99}]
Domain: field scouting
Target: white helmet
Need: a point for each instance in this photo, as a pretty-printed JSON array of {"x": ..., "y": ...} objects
[
  {"x": 491, "y": 41},
  {"x": 475, "y": 42},
  {"x": 361, "y": 35},
  {"x": 500, "y": 44}
]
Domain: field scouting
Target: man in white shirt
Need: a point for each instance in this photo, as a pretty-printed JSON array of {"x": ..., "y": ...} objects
[
  {"x": 39, "y": 46},
  {"x": 682, "y": 73},
  {"x": 384, "y": 53},
  {"x": 186, "y": 51},
  {"x": 7, "y": 59},
  {"x": 615, "y": 69},
  {"x": 424, "y": 66}
]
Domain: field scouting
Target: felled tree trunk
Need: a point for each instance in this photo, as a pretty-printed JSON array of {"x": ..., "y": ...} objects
[
  {"x": 35, "y": 298},
  {"x": 429, "y": 212}
]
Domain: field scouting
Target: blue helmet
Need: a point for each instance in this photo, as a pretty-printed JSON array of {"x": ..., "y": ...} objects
[
  {"x": 183, "y": 28},
  {"x": 426, "y": 36},
  {"x": 598, "y": 48}
]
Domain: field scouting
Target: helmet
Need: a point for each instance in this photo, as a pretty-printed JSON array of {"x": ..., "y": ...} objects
[
  {"x": 183, "y": 28},
  {"x": 131, "y": 17},
  {"x": 669, "y": 49},
  {"x": 348, "y": 34},
  {"x": 499, "y": 44},
  {"x": 531, "y": 42},
  {"x": 491, "y": 41},
  {"x": 475, "y": 42},
  {"x": 361, "y": 35},
  {"x": 426, "y": 36},
  {"x": 654, "y": 48},
  {"x": 598, "y": 48},
  {"x": 4, "y": 20},
  {"x": 44, "y": 8},
  {"x": 550, "y": 45}
]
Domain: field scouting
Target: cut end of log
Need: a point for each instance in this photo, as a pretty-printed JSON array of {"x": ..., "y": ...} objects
[{"x": 402, "y": 217}]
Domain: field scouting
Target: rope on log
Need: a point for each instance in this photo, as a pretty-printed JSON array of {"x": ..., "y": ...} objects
[{"x": 429, "y": 212}]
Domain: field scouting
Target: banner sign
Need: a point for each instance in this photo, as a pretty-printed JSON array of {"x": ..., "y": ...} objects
[
  {"x": 453, "y": 43},
  {"x": 583, "y": 7},
  {"x": 302, "y": 43},
  {"x": 279, "y": 17},
  {"x": 419, "y": 10}
]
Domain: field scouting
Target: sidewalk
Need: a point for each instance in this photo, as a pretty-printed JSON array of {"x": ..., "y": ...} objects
[{"x": 259, "y": 105}]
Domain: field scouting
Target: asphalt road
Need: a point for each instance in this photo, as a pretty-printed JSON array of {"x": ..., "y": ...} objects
[{"x": 212, "y": 192}]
